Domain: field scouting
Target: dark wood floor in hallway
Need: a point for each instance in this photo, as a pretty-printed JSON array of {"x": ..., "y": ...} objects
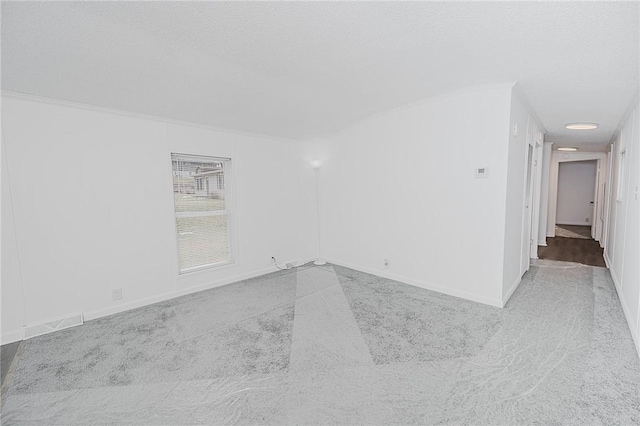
[{"x": 584, "y": 251}]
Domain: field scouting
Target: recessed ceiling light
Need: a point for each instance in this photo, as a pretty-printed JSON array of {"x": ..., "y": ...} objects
[
  {"x": 567, "y": 148},
  {"x": 581, "y": 126}
]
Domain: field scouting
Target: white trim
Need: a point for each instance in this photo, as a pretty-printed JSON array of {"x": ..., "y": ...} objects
[
  {"x": 60, "y": 323},
  {"x": 182, "y": 292},
  {"x": 589, "y": 224},
  {"x": 227, "y": 170},
  {"x": 207, "y": 267},
  {"x": 631, "y": 322},
  {"x": 17, "y": 335},
  {"x": 202, "y": 213},
  {"x": 130, "y": 114},
  {"x": 543, "y": 213},
  {"x": 421, "y": 284},
  {"x": 556, "y": 159},
  {"x": 512, "y": 289},
  {"x": 12, "y": 336}
]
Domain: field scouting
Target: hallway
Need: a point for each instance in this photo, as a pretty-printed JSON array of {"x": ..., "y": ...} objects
[{"x": 573, "y": 244}]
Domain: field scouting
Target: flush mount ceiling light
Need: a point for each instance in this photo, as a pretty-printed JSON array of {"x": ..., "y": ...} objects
[
  {"x": 581, "y": 126},
  {"x": 567, "y": 148}
]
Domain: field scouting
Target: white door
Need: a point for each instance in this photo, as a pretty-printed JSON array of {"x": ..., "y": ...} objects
[
  {"x": 526, "y": 217},
  {"x": 595, "y": 223}
]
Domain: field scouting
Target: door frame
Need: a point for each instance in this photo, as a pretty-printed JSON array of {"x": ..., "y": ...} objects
[{"x": 558, "y": 157}]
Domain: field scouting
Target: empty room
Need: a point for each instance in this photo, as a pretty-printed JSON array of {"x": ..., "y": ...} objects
[{"x": 283, "y": 213}]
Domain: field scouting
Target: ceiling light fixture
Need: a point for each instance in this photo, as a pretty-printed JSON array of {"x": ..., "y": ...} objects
[
  {"x": 567, "y": 148},
  {"x": 581, "y": 126},
  {"x": 316, "y": 164}
]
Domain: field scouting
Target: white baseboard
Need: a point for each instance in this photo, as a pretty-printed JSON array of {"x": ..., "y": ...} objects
[
  {"x": 422, "y": 284},
  {"x": 632, "y": 322},
  {"x": 12, "y": 336},
  {"x": 15, "y": 335},
  {"x": 182, "y": 292},
  {"x": 511, "y": 290},
  {"x": 46, "y": 327}
]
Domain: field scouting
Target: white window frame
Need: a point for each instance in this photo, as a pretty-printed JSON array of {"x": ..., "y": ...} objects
[{"x": 229, "y": 207}]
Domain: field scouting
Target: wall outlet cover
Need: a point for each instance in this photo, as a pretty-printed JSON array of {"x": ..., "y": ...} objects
[{"x": 116, "y": 294}]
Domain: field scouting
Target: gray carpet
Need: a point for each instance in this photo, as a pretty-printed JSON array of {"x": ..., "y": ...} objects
[
  {"x": 330, "y": 345},
  {"x": 7, "y": 352}
]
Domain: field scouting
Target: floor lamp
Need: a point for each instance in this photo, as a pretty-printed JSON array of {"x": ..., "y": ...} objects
[{"x": 316, "y": 164}]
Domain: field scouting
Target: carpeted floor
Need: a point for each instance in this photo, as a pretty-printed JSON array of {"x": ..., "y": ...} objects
[
  {"x": 330, "y": 345},
  {"x": 587, "y": 252},
  {"x": 573, "y": 231},
  {"x": 7, "y": 352}
]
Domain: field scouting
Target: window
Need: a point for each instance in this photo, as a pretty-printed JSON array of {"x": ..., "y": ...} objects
[{"x": 202, "y": 208}]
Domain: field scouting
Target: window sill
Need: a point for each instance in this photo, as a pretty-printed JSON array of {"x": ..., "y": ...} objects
[{"x": 206, "y": 268}]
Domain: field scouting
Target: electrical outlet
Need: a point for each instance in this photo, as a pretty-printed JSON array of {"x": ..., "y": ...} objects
[
  {"x": 116, "y": 294},
  {"x": 386, "y": 263},
  {"x": 586, "y": 219}
]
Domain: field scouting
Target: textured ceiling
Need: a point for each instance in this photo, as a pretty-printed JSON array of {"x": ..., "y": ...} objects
[{"x": 301, "y": 70}]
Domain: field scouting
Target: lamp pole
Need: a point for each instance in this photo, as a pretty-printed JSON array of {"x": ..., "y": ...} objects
[{"x": 316, "y": 164}]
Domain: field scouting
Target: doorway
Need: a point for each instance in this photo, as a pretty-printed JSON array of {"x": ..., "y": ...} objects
[
  {"x": 576, "y": 204},
  {"x": 594, "y": 212},
  {"x": 575, "y": 222}
]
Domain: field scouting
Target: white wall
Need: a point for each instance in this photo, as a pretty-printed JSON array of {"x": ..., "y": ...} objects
[
  {"x": 92, "y": 200},
  {"x": 622, "y": 248},
  {"x": 12, "y": 309},
  {"x": 401, "y": 186},
  {"x": 524, "y": 130},
  {"x": 544, "y": 194},
  {"x": 576, "y": 184}
]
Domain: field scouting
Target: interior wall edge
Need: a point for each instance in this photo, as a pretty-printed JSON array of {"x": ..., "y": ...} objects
[
  {"x": 497, "y": 303},
  {"x": 18, "y": 311},
  {"x": 511, "y": 290}
]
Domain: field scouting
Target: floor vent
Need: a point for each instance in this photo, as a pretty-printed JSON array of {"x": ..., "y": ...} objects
[{"x": 50, "y": 327}]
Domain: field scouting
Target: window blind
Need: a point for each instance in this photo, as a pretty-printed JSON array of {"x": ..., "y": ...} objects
[{"x": 202, "y": 208}]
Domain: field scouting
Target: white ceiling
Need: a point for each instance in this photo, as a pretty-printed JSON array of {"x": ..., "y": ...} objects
[{"x": 301, "y": 70}]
